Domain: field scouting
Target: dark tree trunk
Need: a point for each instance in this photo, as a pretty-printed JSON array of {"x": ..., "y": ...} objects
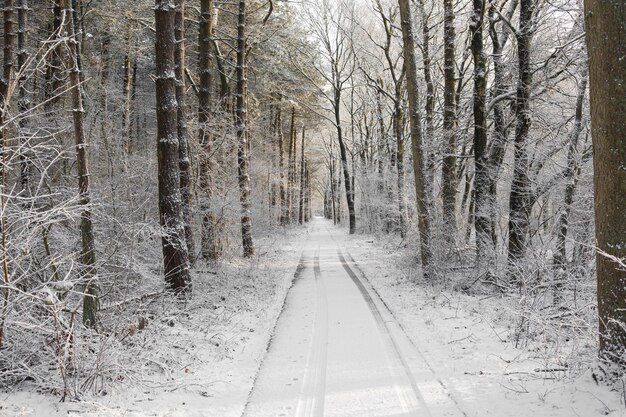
[
  {"x": 88, "y": 247},
  {"x": 449, "y": 170},
  {"x": 53, "y": 79},
  {"x": 7, "y": 73},
  {"x": 344, "y": 158},
  {"x": 417, "y": 145},
  {"x": 24, "y": 96},
  {"x": 606, "y": 45},
  {"x": 520, "y": 202},
  {"x": 485, "y": 250},
  {"x": 175, "y": 255},
  {"x": 211, "y": 246},
  {"x": 242, "y": 134},
  {"x": 301, "y": 205},
  {"x": 184, "y": 163}
]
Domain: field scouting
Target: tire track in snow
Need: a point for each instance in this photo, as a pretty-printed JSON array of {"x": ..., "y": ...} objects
[
  {"x": 451, "y": 392},
  {"x": 311, "y": 400},
  {"x": 405, "y": 397}
]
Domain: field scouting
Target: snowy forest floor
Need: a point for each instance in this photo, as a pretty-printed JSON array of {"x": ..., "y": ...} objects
[{"x": 202, "y": 359}]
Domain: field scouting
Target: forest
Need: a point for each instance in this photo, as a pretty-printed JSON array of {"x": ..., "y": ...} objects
[{"x": 188, "y": 186}]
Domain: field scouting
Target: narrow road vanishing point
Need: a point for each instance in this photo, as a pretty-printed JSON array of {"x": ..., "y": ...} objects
[{"x": 337, "y": 351}]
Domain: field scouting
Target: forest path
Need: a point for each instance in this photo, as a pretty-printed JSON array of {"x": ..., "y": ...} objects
[{"x": 338, "y": 351}]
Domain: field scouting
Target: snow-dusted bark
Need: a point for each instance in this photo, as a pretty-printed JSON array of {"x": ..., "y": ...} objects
[
  {"x": 417, "y": 145},
  {"x": 175, "y": 255},
  {"x": 449, "y": 175},
  {"x": 88, "y": 247},
  {"x": 520, "y": 202},
  {"x": 242, "y": 133},
  {"x": 484, "y": 243},
  {"x": 605, "y": 22}
]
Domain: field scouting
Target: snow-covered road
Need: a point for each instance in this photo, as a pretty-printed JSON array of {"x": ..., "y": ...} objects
[{"x": 337, "y": 351}]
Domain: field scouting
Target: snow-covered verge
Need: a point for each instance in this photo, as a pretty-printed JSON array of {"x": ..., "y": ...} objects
[
  {"x": 194, "y": 359},
  {"x": 468, "y": 340}
]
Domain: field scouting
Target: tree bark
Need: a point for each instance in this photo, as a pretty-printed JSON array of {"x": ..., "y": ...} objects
[
  {"x": 570, "y": 175},
  {"x": 417, "y": 146},
  {"x": 88, "y": 248},
  {"x": 24, "y": 96},
  {"x": 301, "y": 205},
  {"x": 242, "y": 134},
  {"x": 485, "y": 251},
  {"x": 449, "y": 175},
  {"x": 606, "y": 45},
  {"x": 211, "y": 227},
  {"x": 175, "y": 255},
  {"x": 520, "y": 202},
  {"x": 184, "y": 162}
]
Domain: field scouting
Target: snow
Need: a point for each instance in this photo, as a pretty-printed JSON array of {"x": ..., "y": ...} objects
[{"x": 358, "y": 336}]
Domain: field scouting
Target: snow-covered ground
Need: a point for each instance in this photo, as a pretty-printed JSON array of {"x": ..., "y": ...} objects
[{"x": 357, "y": 337}]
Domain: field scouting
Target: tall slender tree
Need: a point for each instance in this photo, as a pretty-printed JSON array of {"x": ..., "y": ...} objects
[
  {"x": 184, "y": 162},
  {"x": 449, "y": 170},
  {"x": 520, "y": 202},
  {"x": 88, "y": 247},
  {"x": 417, "y": 145},
  {"x": 241, "y": 119}
]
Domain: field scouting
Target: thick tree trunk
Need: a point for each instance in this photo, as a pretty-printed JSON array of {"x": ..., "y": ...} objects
[
  {"x": 242, "y": 134},
  {"x": 606, "y": 45},
  {"x": 417, "y": 145},
  {"x": 520, "y": 202},
  {"x": 485, "y": 250},
  {"x": 88, "y": 247},
  {"x": 184, "y": 163},
  {"x": 449, "y": 175},
  {"x": 175, "y": 255}
]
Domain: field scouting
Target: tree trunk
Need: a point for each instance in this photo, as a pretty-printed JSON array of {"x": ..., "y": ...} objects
[
  {"x": 571, "y": 179},
  {"x": 485, "y": 250},
  {"x": 175, "y": 255},
  {"x": 449, "y": 175},
  {"x": 520, "y": 202},
  {"x": 24, "y": 96},
  {"x": 88, "y": 247},
  {"x": 53, "y": 80},
  {"x": 184, "y": 163},
  {"x": 417, "y": 146},
  {"x": 497, "y": 148},
  {"x": 606, "y": 45},
  {"x": 211, "y": 227},
  {"x": 7, "y": 73},
  {"x": 344, "y": 158},
  {"x": 301, "y": 205},
  {"x": 280, "y": 140},
  {"x": 242, "y": 134}
]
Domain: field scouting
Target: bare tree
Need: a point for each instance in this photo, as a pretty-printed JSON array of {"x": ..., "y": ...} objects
[{"x": 417, "y": 145}]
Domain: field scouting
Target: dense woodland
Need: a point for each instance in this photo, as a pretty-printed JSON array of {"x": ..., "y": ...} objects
[{"x": 144, "y": 141}]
